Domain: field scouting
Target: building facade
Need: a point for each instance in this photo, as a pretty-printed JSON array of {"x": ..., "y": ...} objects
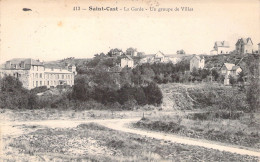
[
  {"x": 131, "y": 51},
  {"x": 127, "y": 61},
  {"x": 228, "y": 70},
  {"x": 221, "y": 47},
  {"x": 197, "y": 62},
  {"x": 33, "y": 73},
  {"x": 244, "y": 45}
]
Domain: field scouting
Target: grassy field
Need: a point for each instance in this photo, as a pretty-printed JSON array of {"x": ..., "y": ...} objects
[
  {"x": 91, "y": 142},
  {"x": 218, "y": 115},
  {"x": 58, "y": 114},
  {"x": 190, "y": 110}
]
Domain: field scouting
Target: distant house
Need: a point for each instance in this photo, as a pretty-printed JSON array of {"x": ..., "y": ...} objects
[
  {"x": 197, "y": 62},
  {"x": 127, "y": 61},
  {"x": 140, "y": 54},
  {"x": 181, "y": 51},
  {"x": 244, "y": 45},
  {"x": 160, "y": 57},
  {"x": 220, "y": 47},
  {"x": 228, "y": 70},
  {"x": 131, "y": 51},
  {"x": 116, "y": 52}
]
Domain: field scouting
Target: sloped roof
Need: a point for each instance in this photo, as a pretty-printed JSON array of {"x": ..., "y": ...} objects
[
  {"x": 244, "y": 41},
  {"x": 159, "y": 53},
  {"x": 132, "y": 49},
  {"x": 117, "y": 50},
  {"x": 235, "y": 68},
  {"x": 26, "y": 61},
  {"x": 222, "y": 44},
  {"x": 229, "y": 66},
  {"x": 126, "y": 56}
]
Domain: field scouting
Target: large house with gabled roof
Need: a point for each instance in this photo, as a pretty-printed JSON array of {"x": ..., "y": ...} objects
[
  {"x": 244, "y": 45},
  {"x": 228, "y": 70},
  {"x": 197, "y": 62},
  {"x": 220, "y": 47}
]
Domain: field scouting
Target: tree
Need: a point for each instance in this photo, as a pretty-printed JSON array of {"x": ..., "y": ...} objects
[
  {"x": 153, "y": 94},
  {"x": 81, "y": 90},
  {"x": 215, "y": 74},
  {"x": 253, "y": 91},
  {"x": 232, "y": 80},
  {"x": 13, "y": 95},
  {"x": 241, "y": 77}
]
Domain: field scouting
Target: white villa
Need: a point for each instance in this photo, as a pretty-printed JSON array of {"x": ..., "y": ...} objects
[
  {"x": 33, "y": 73},
  {"x": 197, "y": 62},
  {"x": 229, "y": 70},
  {"x": 220, "y": 47},
  {"x": 126, "y": 61},
  {"x": 244, "y": 45}
]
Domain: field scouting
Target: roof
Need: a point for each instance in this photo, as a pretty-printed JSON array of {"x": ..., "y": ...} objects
[
  {"x": 132, "y": 49},
  {"x": 235, "y": 68},
  {"x": 222, "y": 44},
  {"x": 244, "y": 41},
  {"x": 159, "y": 53},
  {"x": 126, "y": 56},
  {"x": 26, "y": 61},
  {"x": 117, "y": 50},
  {"x": 229, "y": 66}
]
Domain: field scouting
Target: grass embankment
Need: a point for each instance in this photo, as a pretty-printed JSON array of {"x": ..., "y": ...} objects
[
  {"x": 59, "y": 114},
  {"x": 97, "y": 143},
  {"x": 221, "y": 115}
]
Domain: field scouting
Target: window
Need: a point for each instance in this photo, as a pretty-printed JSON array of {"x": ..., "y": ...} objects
[
  {"x": 40, "y": 75},
  {"x": 40, "y": 83},
  {"x": 48, "y": 83},
  {"x": 62, "y": 76},
  {"x": 36, "y": 83},
  {"x": 36, "y": 75}
]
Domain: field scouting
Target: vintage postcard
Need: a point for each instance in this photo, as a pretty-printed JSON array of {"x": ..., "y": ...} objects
[{"x": 129, "y": 80}]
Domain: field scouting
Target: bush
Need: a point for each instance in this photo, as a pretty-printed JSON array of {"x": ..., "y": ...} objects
[
  {"x": 153, "y": 94},
  {"x": 14, "y": 96},
  {"x": 39, "y": 89}
]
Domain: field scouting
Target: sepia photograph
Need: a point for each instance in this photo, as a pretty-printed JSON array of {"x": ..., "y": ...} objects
[{"x": 130, "y": 80}]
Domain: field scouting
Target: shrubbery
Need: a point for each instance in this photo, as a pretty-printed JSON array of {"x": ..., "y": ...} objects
[{"x": 14, "y": 96}]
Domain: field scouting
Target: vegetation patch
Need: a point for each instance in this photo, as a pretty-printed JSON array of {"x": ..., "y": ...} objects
[
  {"x": 97, "y": 143},
  {"x": 205, "y": 126}
]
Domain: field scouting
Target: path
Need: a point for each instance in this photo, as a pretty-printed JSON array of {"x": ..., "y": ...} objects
[{"x": 121, "y": 125}]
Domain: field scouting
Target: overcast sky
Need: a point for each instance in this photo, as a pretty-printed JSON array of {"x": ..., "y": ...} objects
[{"x": 52, "y": 30}]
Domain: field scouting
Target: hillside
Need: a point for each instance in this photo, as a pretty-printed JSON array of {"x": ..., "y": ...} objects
[
  {"x": 71, "y": 60},
  {"x": 243, "y": 61}
]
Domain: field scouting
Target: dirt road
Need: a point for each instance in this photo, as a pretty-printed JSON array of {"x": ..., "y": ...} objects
[{"x": 10, "y": 128}]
